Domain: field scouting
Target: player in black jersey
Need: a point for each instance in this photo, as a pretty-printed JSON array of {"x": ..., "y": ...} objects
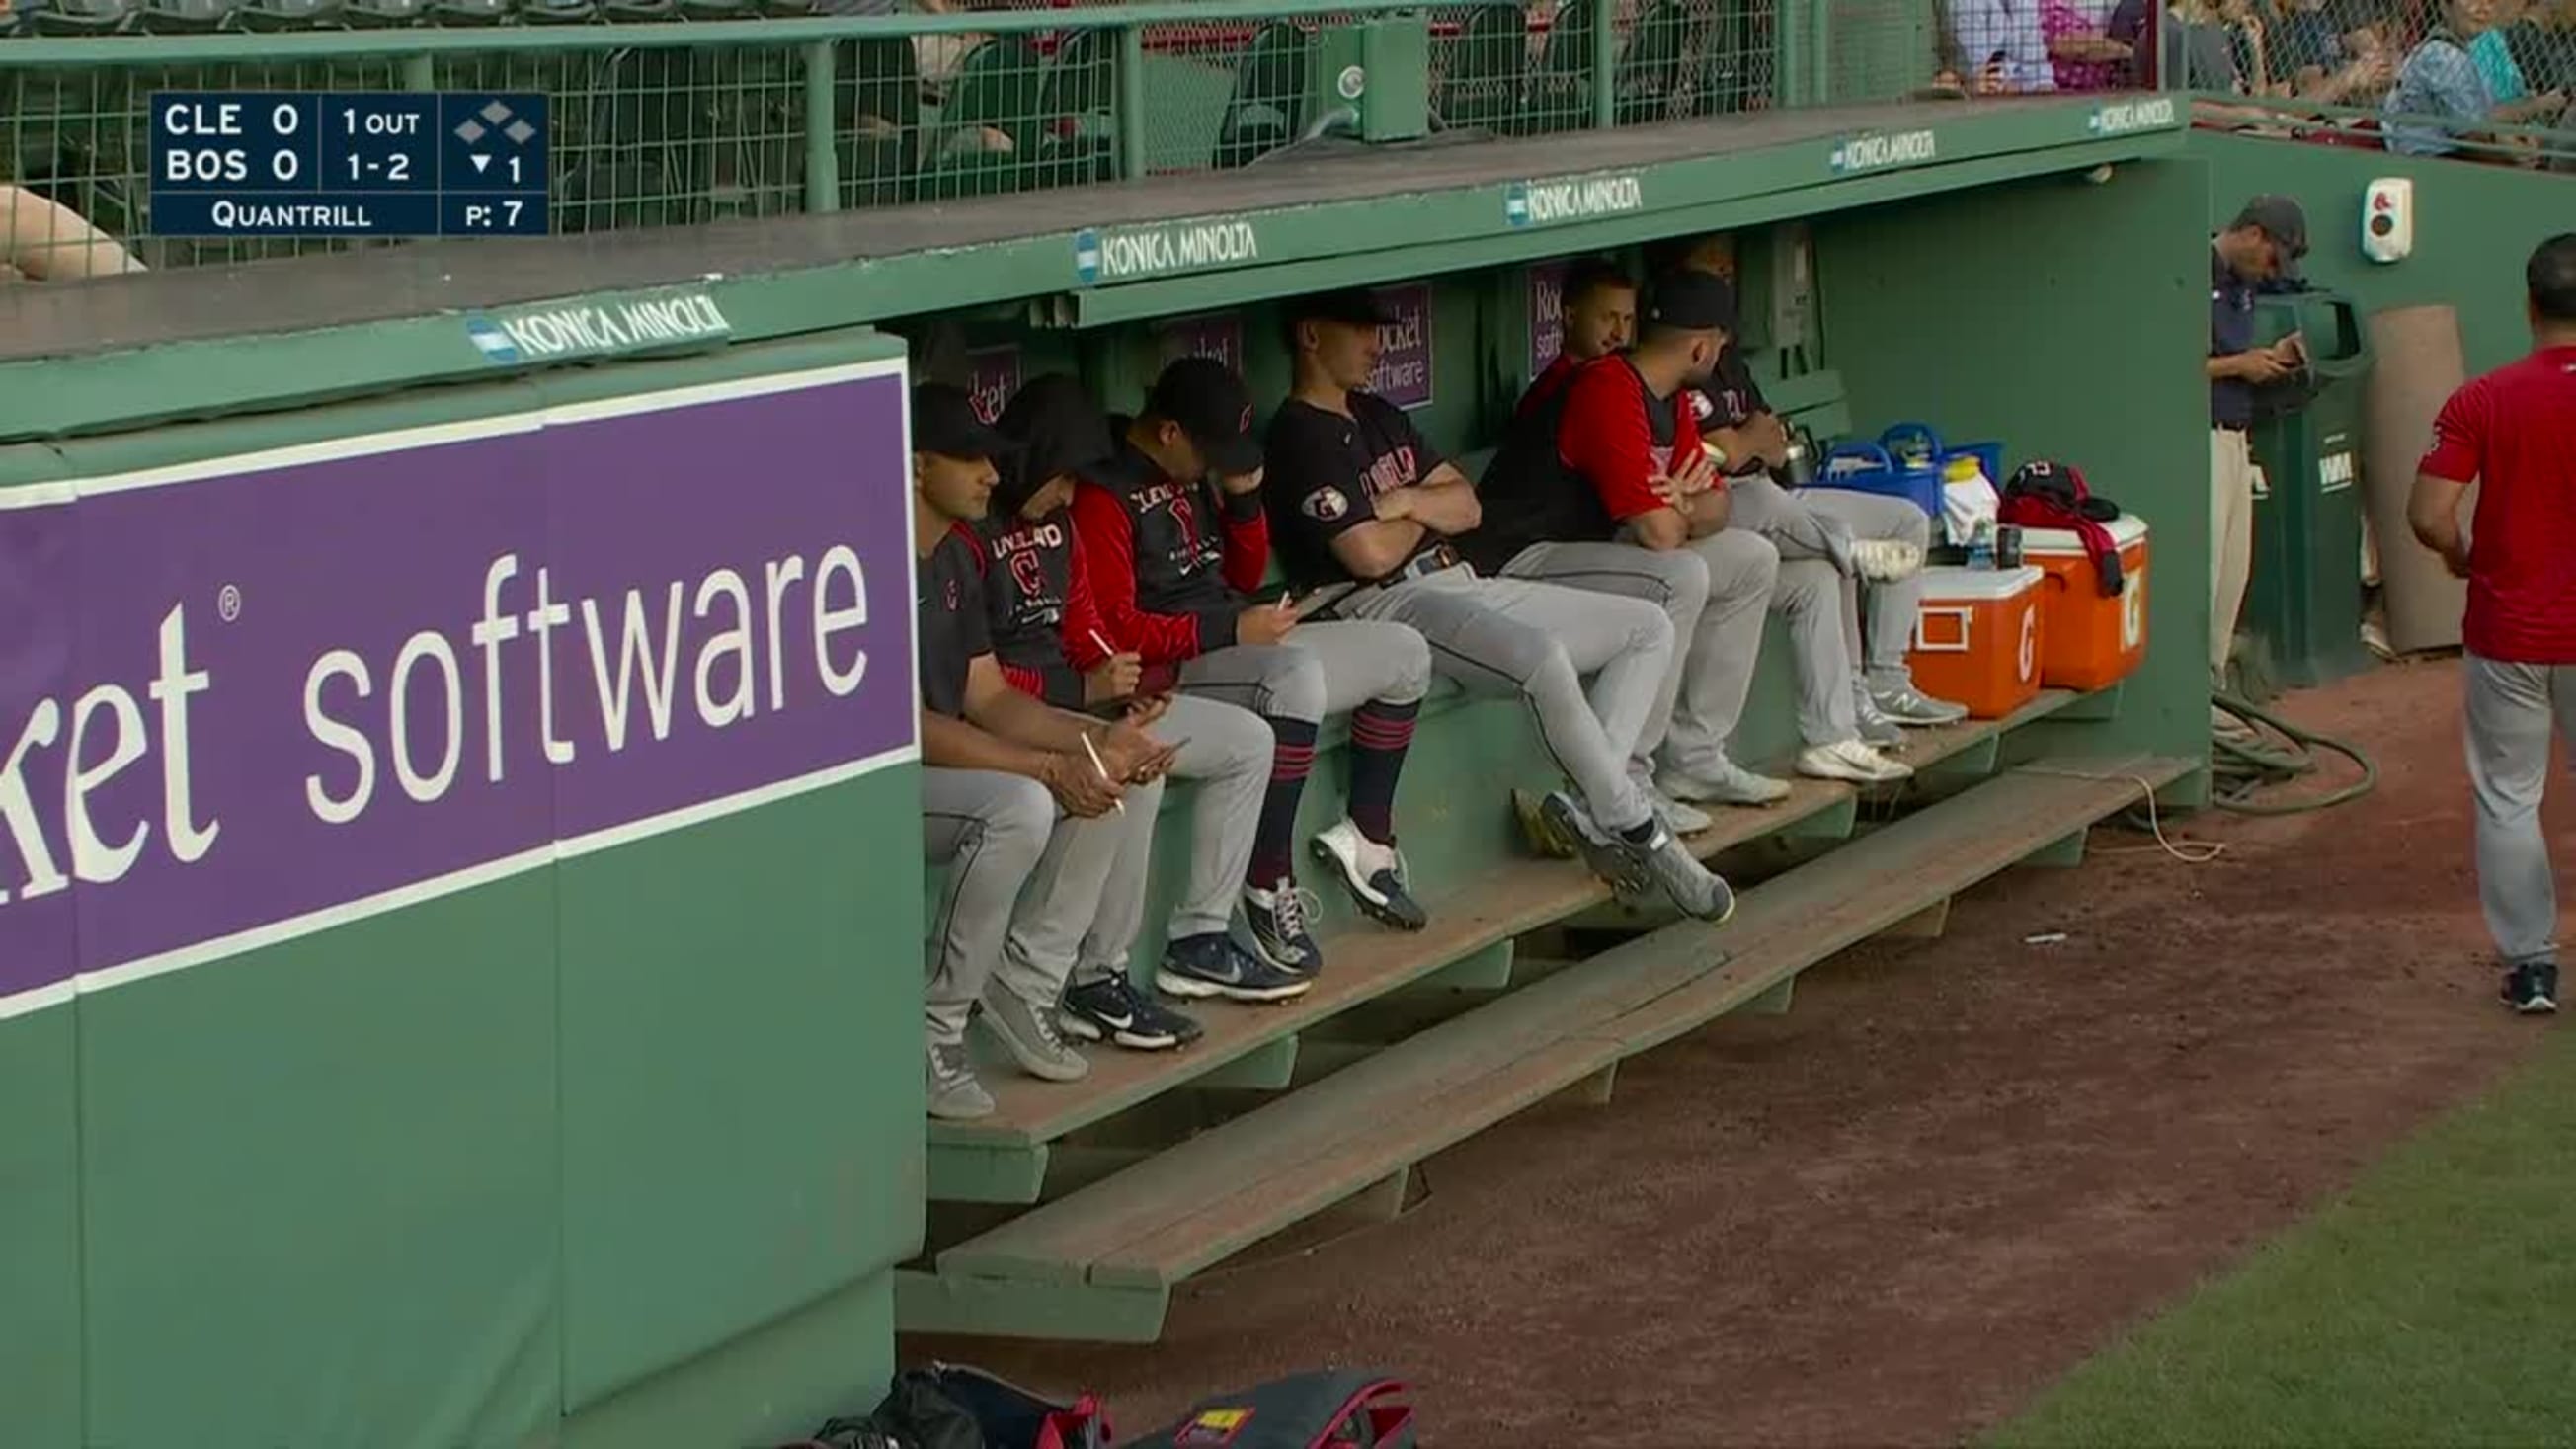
[
  {"x": 1366, "y": 510},
  {"x": 1051, "y": 643},
  {"x": 1028, "y": 805}
]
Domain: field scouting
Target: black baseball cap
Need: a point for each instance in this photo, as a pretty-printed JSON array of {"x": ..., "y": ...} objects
[
  {"x": 2281, "y": 219},
  {"x": 1692, "y": 300},
  {"x": 1354, "y": 306},
  {"x": 944, "y": 422},
  {"x": 1214, "y": 407}
]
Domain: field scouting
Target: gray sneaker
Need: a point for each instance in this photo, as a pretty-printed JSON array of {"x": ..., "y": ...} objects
[
  {"x": 1677, "y": 817},
  {"x": 955, "y": 1095},
  {"x": 1723, "y": 783},
  {"x": 1696, "y": 889},
  {"x": 1907, "y": 705},
  {"x": 1875, "y": 727},
  {"x": 1029, "y": 1034},
  {"x": 1614, "y": 860}
]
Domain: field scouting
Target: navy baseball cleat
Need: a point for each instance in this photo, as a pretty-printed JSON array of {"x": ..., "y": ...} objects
[
  {"x": 1373, "y": 874},
  {"x": 1213, "y": 965},
  {"x": 2531, "y": 987},
  {"x": 1113, "y": 1010}
]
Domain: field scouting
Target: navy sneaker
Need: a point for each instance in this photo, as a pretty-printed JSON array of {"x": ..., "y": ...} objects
[
  {"x": 2531, "y": 987},
  {"x": 1619, "y": 866},
  {"x": 1373, "y": 874},
  {"x": 1113, "y": 1010},
  {"x": 1213, "y": 965},
  {"x": 1278, "y": 919}
]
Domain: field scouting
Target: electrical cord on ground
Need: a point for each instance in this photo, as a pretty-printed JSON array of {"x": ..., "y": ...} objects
[{"x": 2242, "y": 768}]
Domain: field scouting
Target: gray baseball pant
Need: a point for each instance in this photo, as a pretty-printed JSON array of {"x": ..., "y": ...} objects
[
  {"x": 1320, "y": 669},
  {"x": 2513, "y": 709},
  {"x": 1882, "y": 635},
  {"x": 1024, "y": 886},
  {"x": 1714, "y": 593},
  {"x": 1227, "y": 752},
  {"x": 1704, "y": 698},
  {"x": 1537, "y": 641}
]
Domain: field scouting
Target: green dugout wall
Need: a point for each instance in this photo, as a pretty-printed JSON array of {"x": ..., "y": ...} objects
[
  {"x": 621, "y": 1146},
  {"x": 496, "y": 1149},
  {"x": 2475, "y": 226}
]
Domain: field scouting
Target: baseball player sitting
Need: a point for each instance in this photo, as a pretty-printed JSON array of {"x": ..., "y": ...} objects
[
  {"x": 1877, "y": 543},
  {"x": 1172, "y": 559},
  {"x": 1366, "y": 511},
  {"x": 1030, "y": 805},
  {"x": 1603, "y": 484},
  {"x": 1048, "y": 636}
]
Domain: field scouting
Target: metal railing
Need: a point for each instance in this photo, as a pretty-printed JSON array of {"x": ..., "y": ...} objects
[{"x": 675, "y": 112}]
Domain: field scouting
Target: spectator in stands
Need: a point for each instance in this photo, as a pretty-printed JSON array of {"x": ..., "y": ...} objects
[
  {"x": 1367, "y": 509},
  {"x": 2333, "y": 52},
  {"x": 2512, "y": 432},
  {"x": 2543, "y": 45},
  {"x": 1047, "y": 636},
  {"x": 2002, "y": 46},
  {"x": 2080, "y": 49},
  {"x": 46, "y": 241},
  {"x": 1614, "y": 457},
  {"x": 1173, "y": 560},
  {"x": 2192, "y": 31},
  {"x": 2442, "y": 78},
  {"x": 1028, "y": 805}
]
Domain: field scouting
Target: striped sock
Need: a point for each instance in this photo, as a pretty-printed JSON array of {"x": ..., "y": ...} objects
[
  {"x": 1274, "y": 841},
  {"x": 1380, "y": 734}
]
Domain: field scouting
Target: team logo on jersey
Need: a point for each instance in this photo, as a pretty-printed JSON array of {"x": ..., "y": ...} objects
[
  {"x": 954, "y": 598},
  {"x": 1326, "y": 504},
  {"x": 1244, "y": 424},
  {"x": 1701, "y": 405}
]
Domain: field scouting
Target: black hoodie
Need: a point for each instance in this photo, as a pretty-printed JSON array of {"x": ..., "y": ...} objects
[{"x": 1045, "y": 631}]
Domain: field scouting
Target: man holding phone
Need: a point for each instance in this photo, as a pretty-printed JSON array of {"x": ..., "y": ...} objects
[
  {"x": 1048, "y": 636},
  {"x": 2263, "y": 245},
  {"x": 1175, "y": 543},
  {"x": 1029, "y": 806}
]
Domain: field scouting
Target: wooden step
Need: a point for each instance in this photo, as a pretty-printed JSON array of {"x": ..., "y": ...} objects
[
  {"x": 1361, "y": 964},
  {"x": 1173, "y": 1214},
  {"x": 1364, "y": 963}
]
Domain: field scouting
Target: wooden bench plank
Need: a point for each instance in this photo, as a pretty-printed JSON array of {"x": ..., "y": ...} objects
[
  {"x": 1363, "y": 964},
  {"x": 1210, "y": 1197},
  {"x": 1860, "y": 891}
]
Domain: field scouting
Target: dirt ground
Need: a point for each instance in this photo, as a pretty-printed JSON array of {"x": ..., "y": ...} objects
[{"x": 1954, "y": 1170}]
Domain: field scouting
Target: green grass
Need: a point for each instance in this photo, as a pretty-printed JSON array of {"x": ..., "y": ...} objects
[{"x": 2435, "y": 1305}]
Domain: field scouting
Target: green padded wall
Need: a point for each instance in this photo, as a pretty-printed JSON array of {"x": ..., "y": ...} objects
[
  {"x": 2081, "y": 340},
  {"x": 620, "y": 1149}
]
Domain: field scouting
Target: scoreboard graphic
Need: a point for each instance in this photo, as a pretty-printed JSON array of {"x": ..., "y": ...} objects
[{"x": 348, "y": 164}]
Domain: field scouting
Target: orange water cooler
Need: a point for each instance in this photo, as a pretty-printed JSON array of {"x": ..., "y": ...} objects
[
  {"x": 1978, "y": 638},
  {"x": 2090, "y": 640}
]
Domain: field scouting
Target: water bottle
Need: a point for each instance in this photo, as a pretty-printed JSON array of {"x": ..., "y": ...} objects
[{"x": 1981, "y": 545}]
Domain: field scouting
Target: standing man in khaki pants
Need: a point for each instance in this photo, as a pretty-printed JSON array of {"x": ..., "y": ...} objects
[{"x": 2263, "y": 244}]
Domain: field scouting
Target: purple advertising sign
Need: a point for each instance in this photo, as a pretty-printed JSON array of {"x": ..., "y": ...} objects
[
  {"x": 1214, "y": 334},
  {"x": 1546, "y": 314},
  {"x": 250, "y": 698},
  {"x": 992, "y": 376},
  {"x": 1403, "y": 375}
]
